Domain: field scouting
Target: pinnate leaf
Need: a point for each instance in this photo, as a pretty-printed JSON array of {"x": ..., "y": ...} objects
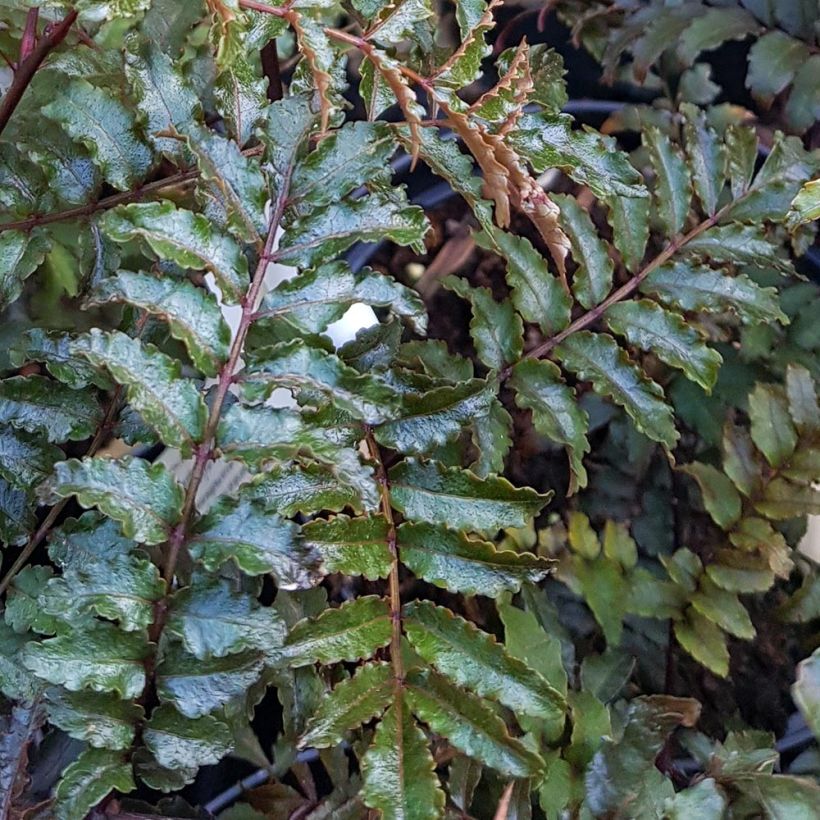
[
  {"x": 144, "y": 498},
  {"x": 474, "y": 659},
  {"x": 351, "y": 703},
  {"x": 460, "y": 499},
  {"x": 192, "y": 313}
]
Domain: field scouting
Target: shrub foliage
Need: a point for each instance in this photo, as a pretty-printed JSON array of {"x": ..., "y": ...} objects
[{"x": 383, "y": 567}]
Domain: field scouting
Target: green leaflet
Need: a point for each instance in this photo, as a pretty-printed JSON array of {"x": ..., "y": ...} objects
[
  {"x": 118, "y": 588},
  {"x": 213, "y": 621},
  {"x": 39, "y": 405},
  {"x": 353, "y": 546},
  {"x": 469, "y": 724},
  {"x": 241, "y": 97},
  {"x": 259, "y": 541},
  {"x": 706, "y": 157},
  {"x": 597, "y": 358},
  {"x": 96, "y": 656},
  {"x": 492, "y": 438},
  {"x": 474, "y": 659},
  {"x": 668, "y": 336},
  {"x": 353, "y": 631},
  {"x": 316, "y": 298},
  {"x": 323, "y": 234},
  {"x": 23, "y": 611},
  {"x": 24, "y": 460},
  {"x": 20, "y": 255},
  {"x": 355, "y": 154},
  {"x": 772, "y": 430},
  {"x": 459, "y": 499},
  {"x": 144, "y": 498},
  {"x": 106, "y": 127},
  {"x": 673, "y": 192},
  {"x": 91, "y": 777},
  {"x": 592, "y": 280},
  {"x": 806, "y": 205},
  {"x": 237, "y": 182},
  {"x": 496, "y": 329},
  {"x": 801, "y": 391},
  {"x": 536, "y": 294},
  {"x": 806, "y": 690},
  {"x": 102, "y": 720},
  {"x": 451, "y": 560},
  {"x": 721, "y": 499},
  {"x": 739, "y": 244},
  {"x": 16, "y": 514},
  {"x": 197, "y": 687},
  {"x": 724, "y": 609},
  {"x": 54, "y": 350},
  {"x": 178, "y": 742},
  {"x": 556, "y": 413},
  {"x": 399, "y": 771},
  {"x": 704, "y": 641},
  {"x": 588, "y": 157},
  {"x": 352, "y": 702},
  {"x": 699, "y": 288},
  {"x": 183, "y": 237},
  {"x": 164, "y": 98},
  {"x": 434, "y": 418},
  {"x": 299, "y": 367},
  {"x": 192, "y": 313},
  {"x": 307, "y": 489},
  {"x": 171, "y": 404},
  {"x": 629, "y": 219}
]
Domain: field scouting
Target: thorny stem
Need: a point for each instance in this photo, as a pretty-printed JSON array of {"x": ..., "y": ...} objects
[
  {"x": 27, "y": 68},
  {"x": 392, "y": 543},
  {"x": 109, "y": 202},
  {"x": 627, "y": 289}
]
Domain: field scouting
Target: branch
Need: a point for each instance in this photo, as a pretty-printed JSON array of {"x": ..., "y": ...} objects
[
  {"x": 52, "y": 37},
  {"x": 90, "y": 208},
  {"x": 392, "y": 543},
  {"x": 618, "y": 295}
]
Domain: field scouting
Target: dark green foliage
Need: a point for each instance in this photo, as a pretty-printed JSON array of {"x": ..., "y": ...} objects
[{"x": 639, "y": 349}]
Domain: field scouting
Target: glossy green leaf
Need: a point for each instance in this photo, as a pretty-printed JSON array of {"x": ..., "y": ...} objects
[
  {"x": 536, "y": 294},
  {"x": 496, "y": 329},
  {"x": 213, "y": 621},
  {"x": 739, "y": 244},
  {"x": 316, "y": 298},
  {"x": 102, "y": 720},
  {"x": 724, "y": 609},
  {"x": 353, "y": 546},
  {"x": 97, "y": 656},
  {"x": 106, "y": 127},
  {"x": 474, "y": 659},
  {"x": 24, "y": 460},
  {"x": 352, "y": 702},
  {"x": 773, "y": 61},
  {"x": 296, "y": 366},
  {"x": 469, "y": 724},
  {"x": 459, "y": 499},
  {"x": 699, "y": 288},
  {"x": 595, "y": 357},
  {"x": 192, "y": 314},
  {"x": 801, "y": 391},
  {"x": 399, "y": 771},
  {"x": 673, "y": 192},
  {"x": 629, "y": 219},
  {"x": 257, "y": 540},
  {"x": 183, "y": 237},
  {"x": 20, "y": 255},
  {"x": 22, "y": 611},
  {"x": 705, "y": 158},
  {"x": 434, "y": 418},
  {"x": 54, "y": 350},
  {"x": 772, "y": 430},
  {"x": 16, "y": 514},
  {"x": 89, "y": 779},
  {"x": 806, "y": 205},
  {"x": 806, "y": 691},
  {"x": 236, "y": 181},
  {"x": 39, "y": 405},
  {"x": 178, "y": 742},
  {"x": 556, "y": 413},
  {"x": 353, "y": 631},
  {"x": 592, "y": 280},
  {"x": 144, "y": 498},
  {"x": 197, "y": 687},
  {"x": 453, "y": 561},
  {"x": 704, "y": 641},
  {"x": 117, "y": 588},
  {"x": 721, "y": 499},
  {"x": 326, "y": 232}
]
